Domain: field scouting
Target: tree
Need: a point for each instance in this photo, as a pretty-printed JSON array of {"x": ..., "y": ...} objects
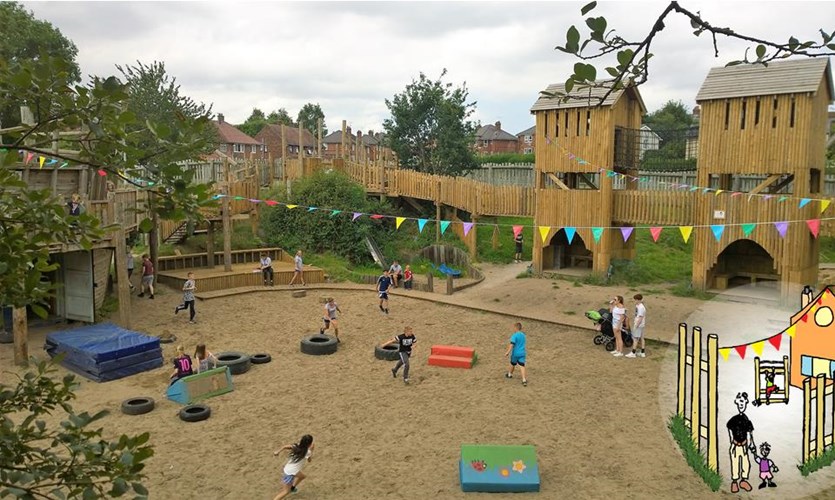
[
  {"x": 429, "y": 128},
  {"x": 23, "y": 38},
  {"x": 309, "y": 117},
  {"x": 633, "y": 56},
  {"x": 254, "y": 123},
  {"x": 280, "y": 117},
  {"x": 43, "y": 458},
  {"x": 673, "y": 115}
]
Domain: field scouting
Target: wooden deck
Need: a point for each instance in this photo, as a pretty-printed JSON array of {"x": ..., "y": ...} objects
[{"x": 242, "y": 275}]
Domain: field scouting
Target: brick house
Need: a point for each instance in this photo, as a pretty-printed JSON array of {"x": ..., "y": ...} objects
[
  {"x": 526, "y": 141},
  {"x": 236, "y": 144},
  {"x": 271, "y": 135},
  {"x": 491, "y": 139},
  {"x": 332, "y": 144}
]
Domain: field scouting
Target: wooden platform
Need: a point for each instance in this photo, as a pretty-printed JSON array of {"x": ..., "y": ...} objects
[{"x": 242, "y": 275}]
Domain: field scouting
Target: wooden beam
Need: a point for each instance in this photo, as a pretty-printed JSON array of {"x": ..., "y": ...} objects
[
  {"x": 227, "y": 223},
  {"x": 780, "y": 185},
  {"x": 557, "y": 181},
  {"x": 210, "y": 244},
  {"x": 764, "y": 184},
  {"x": 319, "y": 138},
  {"x": 122, "y": 283},
  {"x": 411, "y": 201},
  {"x": 584, "y": 178},
  {"x": 21, "y": 335}
]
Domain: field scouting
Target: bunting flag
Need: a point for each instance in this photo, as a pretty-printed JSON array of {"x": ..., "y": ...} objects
[
  {"x": 790, "y": 331},
  {"x": 824, "y": 205},
  {"x": 725, "y": 351},
  {"x": 781, "y": 228},
  {"x": 814, "y": 226},
  {"x": 467, "y": 227},
  {"x": 29, "y": 156},
  {"x": 356, "y": 216},
  {"x": 717, "y": 231},
  {"x": 569, "y": 234},
  {"x": 67, "y": 163},
  {"x": 718, "y": 191},
  {"x": 444, "y": 225},
  {"x": 517, "y": 230},
  {"x": 421, "y": 223},
  {"x": 311, "y": 209},
  {"x": 376, "y": 216},
  {"x": 685, "y": 232},
  {"x": 274, "y": 203},
  {"x": 655, "y": 232},
  {"x": 782, "y": 199},
  {"x": 335, "y": 212},
  {"x": 543, "y": 233},
  {"x": 740, "y": 349},
  {"x": 758, "y": 347},
  {"x": 41, "y": 161},
  {"x": 626, "y": 232},
  {"x": 597, "y": 232},
  {"x": 776, "y": 340},
  {"x": 747, "y": 228},
  {"x": 102, "y": 173},
  {"x": 398, "y": 221},
  {"x": 803, "y": 202},
  {"x": 291, "y": 207}
]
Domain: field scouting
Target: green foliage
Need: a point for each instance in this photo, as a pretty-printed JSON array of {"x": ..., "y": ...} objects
[
  {"x": 280, "y": 117},
  {"x": 507, "y": 158},
  {"x": 309, "y": 117},
  {"x": 257, "y": 121},
  {"x": 817, "y": 462},
  {"x": 242, "y": 239},
  {"x": 429, "y": 128},
  {"x": 669, "y": 260},
  {"x": 673, "y": 115},
  {"x": 694, "y": 457},
  {"x": 44, "y": 459},
  {"x": 827, "y": 249},
  {"x": 341, "y": 269},
  {"x": 506, "y": 250}
]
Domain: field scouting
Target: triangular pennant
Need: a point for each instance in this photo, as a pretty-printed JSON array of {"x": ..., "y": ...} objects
[
  {"x": 29, "y": 156},
  {"x": 467, "y": 227},
  {"x": 804, "y": 202},
  {"x": 694, "y": 188},
  {"x": 626, "y": 232},
  {"x": 569, "y": 234},
  {"x": 67, "y": 163},
  {"x": 782, "y": 199},
  {"x": 747, "y": 228},
  {"x": 376, "y": 216},
  {"x": 758, "y": 347},
  {"x": 235, "y": 198},
  {"x": 356, "y": 216},
  {"x": 102, "y": 173},
  {"x": 291, "y": 207},
  {"x": 805, "y": 318},
  {"x": 719, "y": 191},
  {"x": 398, "y": 221},
  {"x": 717, "y": 229},
  {"x": 781, "y": 228},
  {"x": 736, "y": 193},
  {"x": 824, "y": 205},
  {"x": 444, "y": 225},
  {"x": 517, "y": 230},
  {"x": 740, "y": 349},
  {"x": 543, "y": 233},
  {"x": 725, "y": 351},
  {"x": 814, "y": 226},
  {"x": 685, "y": 232},
  {"x": 776, "y": 340},
  {"x": 311, "y": 209},
  {"x": 421, "y": 223},
  {"x": 335, "y": 212},
  {"x": 790, "y": 331},
  {"x": 41, "y": 161},
  {"x": 271, "y": 203},
  {"x": 597, "y": 232},
  {"x": 655, "y": 232}
]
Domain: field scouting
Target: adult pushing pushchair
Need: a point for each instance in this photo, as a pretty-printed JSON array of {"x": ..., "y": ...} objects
[{"x": 602, "y": 319}]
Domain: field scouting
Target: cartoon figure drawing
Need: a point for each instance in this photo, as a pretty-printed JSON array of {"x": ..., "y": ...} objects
[
  {"x": 770, "y": 387},
  {"x": 740, "y": 431},
  {"x": 767, "y": 467}
]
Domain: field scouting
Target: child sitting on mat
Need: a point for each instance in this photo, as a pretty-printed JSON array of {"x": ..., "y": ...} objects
[
  {"x": 293, "y": 468},
  {"x": 182, "y": 365},
  {"x": 205, "y": 359}
]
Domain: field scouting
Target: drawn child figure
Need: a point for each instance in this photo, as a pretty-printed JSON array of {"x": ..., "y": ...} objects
[
  {"x": 299, "y": 453},
  {"x": 331, "y": 308},
  {"x": 182, "y": 365},
  {"x": 188, "y": 298},
  {"x": 517, "y": 351},
  {"x": 205, "y": 359},
  {"x": 767, "y": 467},
  {"x": 770, "y": 387}
]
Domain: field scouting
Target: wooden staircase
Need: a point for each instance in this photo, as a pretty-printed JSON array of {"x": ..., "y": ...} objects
[{"x": 178, "y": 235}]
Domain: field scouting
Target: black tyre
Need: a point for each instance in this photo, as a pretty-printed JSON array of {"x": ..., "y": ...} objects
[
  {"x": 610, "y": 345},
  {"x": 260, "y": 358},
  {"x": 318, "y": 345},
  {"x": 6, "y": 338},
  {"x": 237, "y": 362},
  {"x": 195, "y": 413},
  {"x": 598, "y": 339},
  {"x": 137, "y": 406},
  {"x": 387, "y": 353}
]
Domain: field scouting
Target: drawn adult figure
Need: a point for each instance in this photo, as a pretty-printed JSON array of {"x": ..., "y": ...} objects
[{"x": 741, "y": 434}]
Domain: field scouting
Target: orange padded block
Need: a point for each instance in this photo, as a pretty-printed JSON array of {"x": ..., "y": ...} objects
[
  {"x": 450, "y": 361},
  {"x": 453, "y": 350}
]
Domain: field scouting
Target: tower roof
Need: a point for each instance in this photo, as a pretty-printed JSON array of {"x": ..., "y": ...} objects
[
  {"x": 583, "y": 97},
  {"x": 779, "y": 77}
]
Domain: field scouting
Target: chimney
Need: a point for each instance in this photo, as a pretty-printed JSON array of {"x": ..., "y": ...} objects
[
  {"x": 806, "y": 296},
  {"x": 499, "y": 125},
  {"x": 370, "y": 132},
  {"x": 220, "y": 117},
  {"x": 697, "y": 112},
  {"x": 348, "y": 130},
  {"x": 359, "y": 134}
]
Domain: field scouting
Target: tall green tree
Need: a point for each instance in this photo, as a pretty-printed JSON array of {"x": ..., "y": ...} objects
[
  {"x": 280, "y": 117},
  {"x": 22, "y": 37},
  {"x": 254, "y": 123},
  {"x": 429, "y": 128},
  {"x": 673, "y": 115},
  {"x": 309, "y": 117}
]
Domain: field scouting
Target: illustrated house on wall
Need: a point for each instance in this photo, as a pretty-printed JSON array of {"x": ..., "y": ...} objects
[{"x": 813, "y": 344}]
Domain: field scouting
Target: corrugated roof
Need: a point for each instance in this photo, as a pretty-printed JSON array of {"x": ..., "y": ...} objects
[
  {"x": 779, "y": 77},
  {"x": 231, "y": 135},
  {"x": 583, "y": 98},
  {"x": 527, "y": 131},
  {"x": 491, "y": 133}
]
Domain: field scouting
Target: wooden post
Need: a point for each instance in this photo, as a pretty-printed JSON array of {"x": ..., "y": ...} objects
[
  {"x": 695, "y": 387},
  {"x": 820, "y": 404},
  {"x": 301, "y": 148},
  {"x": 438, "y": 211},
  {"x": 430, "y": 282},
  {"x": 472, "y": 237},
  {"x": 122, "y": 283},
  {"x": 21, "y": 334},
  {"x": 284, "y": 151},
  {"x": 344, "y": 138},
  {"x": 227, "y": 222},
  {"x": 153, "y": 236},
  {"x": 495, "y": 239},
  {"x": 450, "y": 285},
  {"x": 319, "y": 138},
  {"x": 682, "y": 367},
  {"x": 713, "y": 402},
  {"x": 210, "y": 245},
  {"x": 807, "y": 416}
]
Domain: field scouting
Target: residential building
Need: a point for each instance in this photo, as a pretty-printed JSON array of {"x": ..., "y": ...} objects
[
  {"x": 526, "y": 141},
  {"x": 649, "y": 141},
  {"x": 237, "y": 144},
  {"x": 271, "y": 137},
  {"x": 491, "y": 139}
]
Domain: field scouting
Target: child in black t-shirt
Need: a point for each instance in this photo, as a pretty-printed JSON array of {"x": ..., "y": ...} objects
[
  {"x": 383, "y": 284},
  {"x": 405, "y": 341},
  {"x": 182, "y": 365}
]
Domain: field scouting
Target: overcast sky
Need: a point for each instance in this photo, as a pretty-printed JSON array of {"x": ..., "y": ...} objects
[{"x": 350, "y": 56}]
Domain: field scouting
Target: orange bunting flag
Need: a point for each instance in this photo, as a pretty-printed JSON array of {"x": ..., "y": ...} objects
[
  {"x": 656, "y": 232},
  {"x": 398, "y": 221},
  {"x": 775, "y": 341},
  {"x": 291, "y": 207},
  {"x": 740, "y": 349},
  {"x": 41, "y": 161},
  {"x": 725, "y": 351},
  {"x": 824, "y": 205},
  {"x": 758, "y": 347},
  {"x": 685, "y": 232},
  {"x": 543, "y": 232},
  {"x": 790, "y": 331}
]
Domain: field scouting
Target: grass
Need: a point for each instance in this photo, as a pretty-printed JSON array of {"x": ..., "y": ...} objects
[
  {"x": 669, "y": 260},
  {"x": 506, "y": 248},
  {"x": 816, "y": 463},
  {"x": 340, "y": 269},
  {"x": 827, "y": 249},
  {"x": 694, "y": 458},
  {"x": 685, "y": 289},
  {"x": 109, "y": 306}
]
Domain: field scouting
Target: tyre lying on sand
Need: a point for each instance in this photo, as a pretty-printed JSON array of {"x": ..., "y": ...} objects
[
  {"x": 195, "y": 413},
  {"x": 260, "y": 358},
  {"x": 137, "y": 406},
  {"x": 317, "y": 345},
  {"x": 237, "y": 362}
]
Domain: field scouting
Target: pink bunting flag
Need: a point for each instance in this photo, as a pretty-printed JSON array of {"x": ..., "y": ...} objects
[
  {"x": 626, "y": 232},
  {"x": 517, "y": 230},
  {"x": 467, "y": 227},
  {"x": 29, "y": 156},
  {"x": 781, "y": 228},
  {"x": 656, "y": 232},
  {"x": 376, "y": 216},
  {"x": 814, "y": 226},
  {"x": 740, "y": 349},
  {"x": 271, "y": 203},
  {"x": 102, "y": 173}
]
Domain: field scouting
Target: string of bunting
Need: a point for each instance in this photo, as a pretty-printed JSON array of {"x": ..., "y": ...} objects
[
  {"x": 775, "y": 340},
  {"x": 570, "y": 231},
  {"x": 27, "y": 156}
]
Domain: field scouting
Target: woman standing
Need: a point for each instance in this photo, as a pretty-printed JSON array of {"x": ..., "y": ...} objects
[{"x": 618, "y": 322}]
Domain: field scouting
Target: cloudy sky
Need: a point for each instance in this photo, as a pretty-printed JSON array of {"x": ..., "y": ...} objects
[{"x": 350, "y": 56}]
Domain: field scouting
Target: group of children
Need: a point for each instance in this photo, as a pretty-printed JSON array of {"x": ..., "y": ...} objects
[
  {"x": 267, "y": 272},
  {"x": 620, "y": 320},
  {"x": 184, "y": 366}
]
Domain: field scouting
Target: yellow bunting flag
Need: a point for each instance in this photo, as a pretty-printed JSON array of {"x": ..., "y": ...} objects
[
  {"x": 543, "y": 232},
  {"x": 291, "y": 207},
  {"x": 725, "y": 352},
  {"x": 399, "y": 220},
  {"x": 41, "y": 160},
  {"x": 824, "y": 205},
  {"x": 758, "y": 347},
  {"x": 719, "y": 191},
  {"x": 790, "y": 331},
  {"x": 685, "y": 232}
]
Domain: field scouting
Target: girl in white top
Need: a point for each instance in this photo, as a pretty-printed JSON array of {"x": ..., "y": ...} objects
[
  {"x": 618, "y": 321},
  {"x": 329, "y": 316},
  {"x": 205, "y": 359},
  {"x": 299, "y": 452}
]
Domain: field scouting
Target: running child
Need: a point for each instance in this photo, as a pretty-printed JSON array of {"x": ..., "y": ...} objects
[
  {"x": 638, "y": 328},
  {"x": 518, "y": 240},
  {"x": 517, "y": 350},
  {"x": 147, "y": 276},
  {"x": 188, "y": 298},
  {"x": 205, "y": 359},
  {"x": 299, "y": 453},
  {"x": 331, "y": 308},
  {"x": 182, "y": 365},
  {"x": 383, "y": 284},
  {"x": 405, "y": 341}
]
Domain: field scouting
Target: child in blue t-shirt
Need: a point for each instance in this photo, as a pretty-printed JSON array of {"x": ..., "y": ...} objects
[{"x": 517, "y": 352}]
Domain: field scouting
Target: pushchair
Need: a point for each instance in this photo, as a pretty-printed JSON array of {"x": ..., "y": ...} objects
[{"x": 602, "y": 318}]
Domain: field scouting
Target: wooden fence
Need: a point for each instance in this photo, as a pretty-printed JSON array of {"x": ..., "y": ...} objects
[
  {"x": 196, "y": 260},
  {"x": 815, "y": 394},
  {"x": 693, "y": 366}
]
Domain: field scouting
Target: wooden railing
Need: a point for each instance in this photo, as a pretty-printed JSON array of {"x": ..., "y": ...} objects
[
  {"x": 194, "y": 260},
  {"x": 654, "y": 207}
]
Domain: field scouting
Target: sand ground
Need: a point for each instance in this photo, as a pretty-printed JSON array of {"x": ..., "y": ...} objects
[{"x": 597, "y": 425}]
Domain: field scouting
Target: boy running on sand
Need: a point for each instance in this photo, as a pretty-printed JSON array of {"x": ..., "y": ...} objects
[
  {"x": 331, "y": 308},
  {"x": 517, "y": 351},
  {"x": 405, "y": 341},
  {"x": 383, "y": 284},
  {"x": 188, "y": 298}
]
